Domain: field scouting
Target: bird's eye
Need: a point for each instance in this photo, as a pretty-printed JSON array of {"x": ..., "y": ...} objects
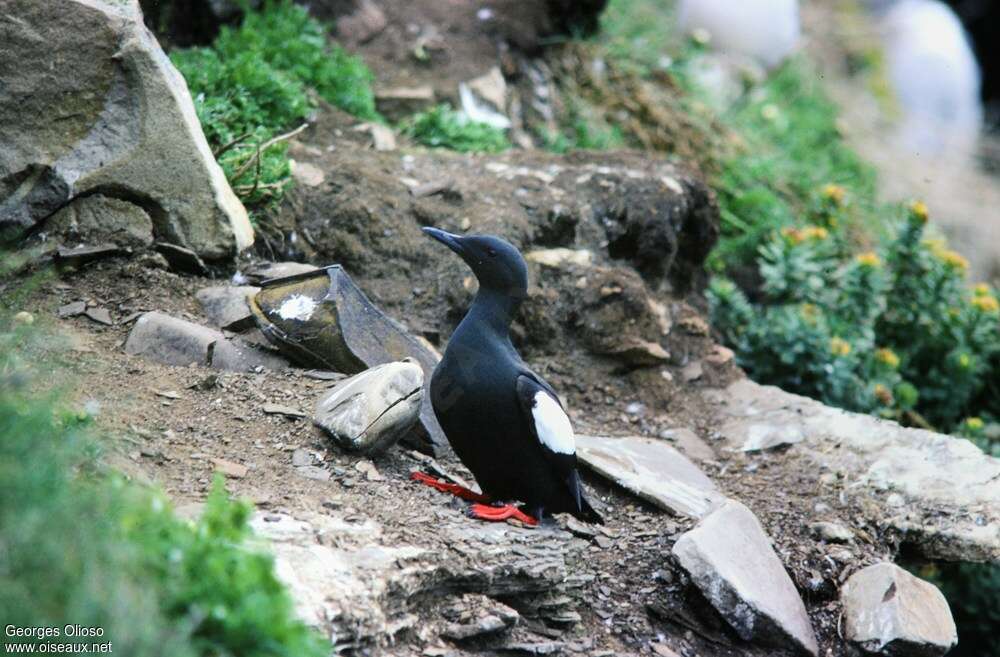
[{"x": 491, "y": 252}]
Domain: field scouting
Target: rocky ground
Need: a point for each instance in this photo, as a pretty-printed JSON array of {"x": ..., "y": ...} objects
[
  {"x": 739, "y": 520},
  {"x": 388, "y": 566}
]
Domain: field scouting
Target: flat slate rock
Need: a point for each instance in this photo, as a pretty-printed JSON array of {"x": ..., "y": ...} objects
[
  {"x": 652, "y": 470},
  {"x": 888, "y": 611},
  {"x": 947, "y": 490},
  {"x": 171, "y": 341},
  {"x": 226, "y": 306},
  {"x": 730, "y": 559},
  {"x": 689, "y": 444}
]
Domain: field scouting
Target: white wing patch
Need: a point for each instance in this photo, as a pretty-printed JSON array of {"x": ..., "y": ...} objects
[{"x": 552, "y": 425}]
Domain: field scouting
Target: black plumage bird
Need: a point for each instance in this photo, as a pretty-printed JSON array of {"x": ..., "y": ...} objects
[{"x": 504, "y": 422}]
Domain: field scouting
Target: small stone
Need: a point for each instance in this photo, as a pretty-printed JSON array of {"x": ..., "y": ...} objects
[
  {"x": 578, "y": 528},
  {"x": 692, "y": 371},
  {"x": 72, "y": 309},
  {"x": 230, "y": 469},
  {"x": 206, "y": 383},
  {"x": 560, "y": 258},
  {"x": 24, "y": 317},
  {"x": 182, "y": 259},
  {"x": 169, "y": 394},
  {"x": 891, "y": 612},
  {"x": 369, "y": 470},
  {"x": 720, "y": 355},
  {"x": 695, "y": 325},
  {"x": 640, "y": 353},
  {"x": 313, "y": 472},
  {"x": 301, "y": 457},
  {"x": 831, "y": 532},
  {"x": 266, "y": 271},
  {"x": 689, "y": 444},
  {"x": 278, "y": 409},
  {"x": 85, "y": 254},
  {"x": 663, "y": 650},
  {"x": 99, "y": 315},
  {"x": 226, "y": 306},
  {"x": 383, "y": 138},
  {"x": 307, "y": 174}
]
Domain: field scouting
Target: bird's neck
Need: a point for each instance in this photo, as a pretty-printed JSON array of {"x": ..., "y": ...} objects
[{"x": 492, "y": 311}]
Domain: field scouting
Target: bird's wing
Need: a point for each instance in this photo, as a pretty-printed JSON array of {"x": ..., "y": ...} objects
[{"x": 551, "y": 427}]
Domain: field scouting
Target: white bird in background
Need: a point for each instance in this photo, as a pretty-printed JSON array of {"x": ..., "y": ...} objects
[
  {"x": 935, "y": 76},
  {"x": 765, "y": 30}
]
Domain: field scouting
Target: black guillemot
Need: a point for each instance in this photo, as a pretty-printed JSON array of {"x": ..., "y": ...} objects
[{"x": 505, "y": 423}]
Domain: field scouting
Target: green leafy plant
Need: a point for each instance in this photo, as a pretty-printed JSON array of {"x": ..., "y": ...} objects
[
  {"x": 82, "y": 545},
  {"x": 896, "y": 333},
  {"x": 258, "y": 81},
  {"x": 443, "y": 127}
]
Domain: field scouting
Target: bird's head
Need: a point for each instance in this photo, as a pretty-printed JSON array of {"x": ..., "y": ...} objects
[{"x": 496, "y": 263}]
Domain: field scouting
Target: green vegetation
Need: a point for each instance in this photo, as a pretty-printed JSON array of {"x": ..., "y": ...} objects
[
  {"x": 82, "y": 545},
  {"x": 585, "y": 129},
  {"x": 791, "y": 148},
  {"x": 895, "y": 333},
  {"x": 261, "y": 79},
  {"x": 443, "y": 127}
]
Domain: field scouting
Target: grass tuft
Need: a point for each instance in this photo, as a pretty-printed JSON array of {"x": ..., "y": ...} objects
[{"x": 443, "y": 127}]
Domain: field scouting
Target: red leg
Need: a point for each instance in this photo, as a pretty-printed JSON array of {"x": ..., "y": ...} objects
[
  {"x": 454, "y": 489},
  {"x": 500, "y": 513}
]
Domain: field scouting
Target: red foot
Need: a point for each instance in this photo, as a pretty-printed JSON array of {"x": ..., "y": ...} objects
[
  {"x": 500, "y": 513},
  {"x": 454, "y": 489}
]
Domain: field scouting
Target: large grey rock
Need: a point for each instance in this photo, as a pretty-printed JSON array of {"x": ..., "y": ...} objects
[
  {"x": 361, "y": 586},
  {"x": 653, "y": 470},
  {"x": 370, "y": 411},
  {"x": 226, "y": 305},
  {"x": 90, "y": 103},
  {"x": 100, "y": 219},
  {"x": 888, "y": 611},
  {"x": 948, "y": 488},
  {"x": 173, "y": 341},
  {"x": 730, "y": 559}
]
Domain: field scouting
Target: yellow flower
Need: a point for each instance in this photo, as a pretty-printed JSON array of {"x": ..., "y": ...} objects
[
  {"x": 938, "y": 247},
  {"x": 986, "y": 304},
  {"x": 918, "y": 210},
  {"x": 883, "y": 394},
  {"x": 869, "y": 259},
  {"x": 839, "y": 346},
  {"x": 954, "y": 260},
  {"x": 887, "y": 357},
  {"x": 793, "y": 235},
  {"x": 981, "y": 290},
  {"x": 817, "y": 233},
  {"x": 834, "y": 193},
  {"x": 810, "y": 312},
  {"x": 974, "y": 423}
]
